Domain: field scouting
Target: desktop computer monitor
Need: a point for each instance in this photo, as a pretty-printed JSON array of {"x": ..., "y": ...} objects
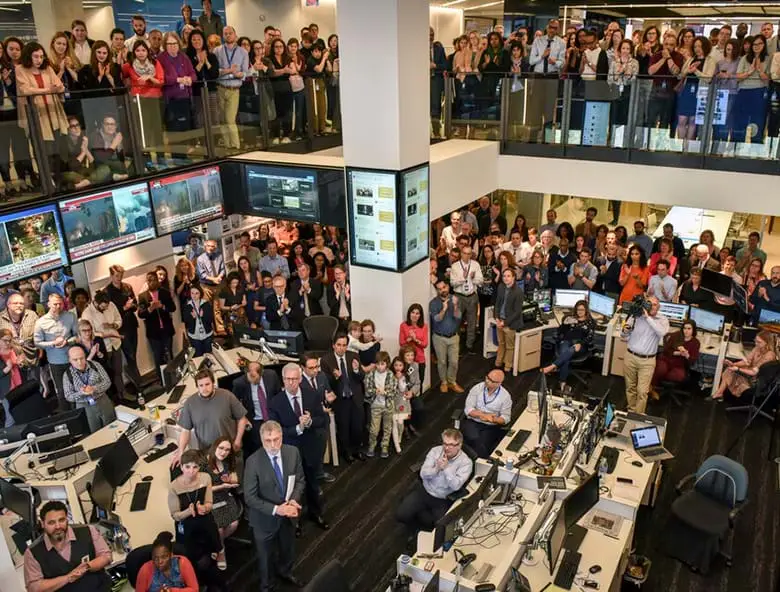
[
  {"x": 581, "y": 500},
  {"x": 769, "y": 318},
  {"x": 247, "y": 336},
  {"x": 488, "y": 483},
  {"x": 447, "y": 528},
  {"x": 568, "y": 298},
  {"x": 709, "y": 322},
  {"x": 75, "y": 420},
  {"x": 676, "y": 313},
  {"x": 173, "y": 371},
  {"x": 17, "y": 500},
  {"x": 556, "y": 539},
  {"x": 288, "y": 343},
  {"x": 117, "y": 464},
  {"x": 544, "y": 299},
  {"x": 714, "y": 281},
  {"x": 600, "y": 304},
  {"x": 542, "y": 415},
  {"x": 433, "y": 583},
  {"x": 101, "y": 493}
]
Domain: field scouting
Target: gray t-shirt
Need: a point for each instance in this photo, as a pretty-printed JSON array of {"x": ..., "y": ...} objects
[{"x": 212, "y": 417}]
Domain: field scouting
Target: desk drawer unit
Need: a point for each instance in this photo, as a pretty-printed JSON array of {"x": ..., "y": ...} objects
[
  {"x": 619, "y": 350},
  {"x": 530, "y": 352}
]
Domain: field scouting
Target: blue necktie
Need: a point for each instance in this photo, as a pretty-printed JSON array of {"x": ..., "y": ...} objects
[{"x": 279, "y": 477}]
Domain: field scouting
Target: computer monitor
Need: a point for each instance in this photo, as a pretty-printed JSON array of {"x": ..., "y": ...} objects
[
  {"x": 581, "y": 500},
  {"x": 101, "y": 493},
  {"x": 117, "y": 464},
  {"x": 709, "y": 322},
  {"x": 186, "y": 198},
  {"x": 447, "y": 528},
  {"x": 433, "y": 583},
  {"x": 601, "y": 304},
  {"x": 714, "y": 281},
  {"x": 556, "y": 539},
  {"x": 173, "y": 371},
  {"x": 676, "y": 313},
  {"x": 31, "y": 242},
  {"x": 568, "y": 298},
  {"x": 769, "y": 317},
  {"x": 488, "y": 483},
  {"x": 288, "y": 343},
  {"x": 542, "y": 415},
  {"x": 544, "y": 299},
  {"x": 75, "y": 420},
  {"x": 17, "y": 500},
  {"x": 247, "y": 336}
]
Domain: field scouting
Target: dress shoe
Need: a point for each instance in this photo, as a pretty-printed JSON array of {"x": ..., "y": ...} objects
[
  {"x": 361, "y": 456},
  {"x": 319, "y": 521},
  {"x": 326, "y": 477},
  {"x": 292, "y": 580},
  {"x": 456, "y": 388},
  {"x": 444, "y": 387}
]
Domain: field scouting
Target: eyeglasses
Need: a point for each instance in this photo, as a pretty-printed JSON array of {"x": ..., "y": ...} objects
[{"x": 450, "y": 444}]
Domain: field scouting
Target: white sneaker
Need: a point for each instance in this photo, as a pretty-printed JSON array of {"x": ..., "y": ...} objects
[
  {"x": 286, "y": 140},
  {"x": 275, "y": 142}
]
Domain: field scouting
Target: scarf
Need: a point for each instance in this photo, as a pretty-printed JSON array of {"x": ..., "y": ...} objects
[{"x": 146, "y": 69}]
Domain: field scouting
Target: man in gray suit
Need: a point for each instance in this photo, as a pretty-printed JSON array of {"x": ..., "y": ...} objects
[{"x": 271, "y": 511}]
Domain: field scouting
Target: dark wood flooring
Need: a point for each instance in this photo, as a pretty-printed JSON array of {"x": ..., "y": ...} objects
[{"x": 366, "y": 539}]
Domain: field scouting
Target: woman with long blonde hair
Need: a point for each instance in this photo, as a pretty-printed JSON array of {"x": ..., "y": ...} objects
[{"x": 63, "y": 60}]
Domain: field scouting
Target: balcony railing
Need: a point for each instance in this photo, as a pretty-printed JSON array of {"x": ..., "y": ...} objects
[
  {"x": 697, "y": 123},
  {"x": 57, "y": 143}
]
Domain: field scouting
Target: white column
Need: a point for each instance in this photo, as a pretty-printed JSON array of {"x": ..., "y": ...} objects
[
  {"x": 51, "y": 16},
  {"x": 385, "y": 85}
]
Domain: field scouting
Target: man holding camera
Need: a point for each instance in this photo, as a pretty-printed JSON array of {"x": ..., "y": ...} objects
[{"x": 643, "y": 333}]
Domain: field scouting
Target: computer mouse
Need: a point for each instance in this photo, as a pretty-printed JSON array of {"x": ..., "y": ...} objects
[
  {"x": 594, "y": 569},
  {"x": 147, "y": 478},
  {"x": 636, "y": 463},
  {"x": 161, "y": 407}
]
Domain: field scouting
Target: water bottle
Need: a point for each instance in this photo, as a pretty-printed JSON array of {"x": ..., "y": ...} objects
[
  {"x": 603, "y": 467},
  {"x": 141, "y": 401}
]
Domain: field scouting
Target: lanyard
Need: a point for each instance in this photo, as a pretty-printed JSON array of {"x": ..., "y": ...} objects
[
  {"x": 229, "y": 57},
  {"x": 81, "y": 375},
  {"x": 465, "y": 269},
  {"x": 485, "y": 402}
]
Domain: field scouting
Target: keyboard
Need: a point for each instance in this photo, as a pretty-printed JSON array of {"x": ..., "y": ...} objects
[
  {"x": 567, "y": 569},
  {"x": 653, "y": 452},
  {"x": 612, "y": 455},
  {"x": 160, "y": 452},
  {"x": 99, "y": 451},
  {"x": 519, "y": 439},
  {"x": 44, "y": 458},
  {"x": 176, "y": 394},
  {"x": 140, "y": 496}
]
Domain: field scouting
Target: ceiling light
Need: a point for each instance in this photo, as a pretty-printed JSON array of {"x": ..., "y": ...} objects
[{"x": 484, "y": 5}]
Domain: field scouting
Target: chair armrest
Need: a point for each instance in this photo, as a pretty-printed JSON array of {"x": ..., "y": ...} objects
[
  {"x": 684, "y": 483},
  {"x": 456, "y": 495},
  {"x": 457, "y": 415},
  {"x": 736, "y": 511}
]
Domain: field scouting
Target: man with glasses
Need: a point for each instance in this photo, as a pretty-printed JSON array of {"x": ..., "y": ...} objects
[
  {"x": 445, "y": 470},
  {"x": 21, "y": 322},
  {"x": 315, "y": 381},
  {"x": 488, "y": 408},
  {"x": 254, "y": 391},
  {"x": 548, "y": 51}
]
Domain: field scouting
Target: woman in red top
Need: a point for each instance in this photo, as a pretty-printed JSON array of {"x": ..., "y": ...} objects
[
  {"x": 166, "y": 571},
  {"x": 634, "y": 275},
  {"x": 665, "y": 251},
  {"x": 146, "y": 78},
  {"x": 414, "y": 333},
  {"x": 681, "y": 350}
]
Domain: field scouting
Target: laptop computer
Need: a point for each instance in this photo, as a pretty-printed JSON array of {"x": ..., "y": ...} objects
[{"x": 647, "y": 444}]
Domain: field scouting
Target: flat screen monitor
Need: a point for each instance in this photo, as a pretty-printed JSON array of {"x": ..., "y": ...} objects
[
  {"x": 433, "y": 583},
  {"x": 17, "y": 500},
  {"x": 710, "y": 322},
  {"x": 174, "y": 369},
  {"x": 283, "y": 192},
  {"x": 717, "y": 282},
  {"x": 447, "y": 528},
  {"x": 102, "y": 493},
  {"x": 117, "y": 464},
  {"x": 556, "y": 540},
  {"x": 75, "y": 420},
  {"x": 31, "y": 242},
  {"x": 187, "y": 198},
  {"x": 373, "y": 212},
  {"x": 487, "y": 484},
  {"x": 568, "y": 298},
  {"x": 676, "y": 313},
  {"x": 288, "y": 343},
  {"x": 768, "y": 317},
  {"x": 415, "y": 215},
  {"x": 609, "y": 415},
  {"x": 601, "y": 304},
  {"x": 98, "y": 223},
  {"x": 581, "y": 500}
]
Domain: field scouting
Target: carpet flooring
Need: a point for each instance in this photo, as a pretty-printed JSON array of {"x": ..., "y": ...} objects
[{"x": 366, "y": 539}]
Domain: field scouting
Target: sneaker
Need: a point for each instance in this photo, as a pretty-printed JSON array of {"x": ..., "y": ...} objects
[
  {"x": 274, "y": 141},
  {"x": 385, "y": 454},
  {"x": 444, "y": 387},
  {"x": 286, "y": 140},
  {"x": 370, "y": 453},
  {"x": 456, "y": 388}
]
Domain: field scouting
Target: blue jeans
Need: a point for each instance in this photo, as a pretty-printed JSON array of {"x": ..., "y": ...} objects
[
  {"x": 9, "y": 420},
  {"x": 566, "y": 352}
]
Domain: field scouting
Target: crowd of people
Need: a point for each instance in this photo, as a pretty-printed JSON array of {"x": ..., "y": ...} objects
[
  {"x": 669, "y": 68},
  {"x": 75, "y": 86},
  {"x": 482, "y": 261}
]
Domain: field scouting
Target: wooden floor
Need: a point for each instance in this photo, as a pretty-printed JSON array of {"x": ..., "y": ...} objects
[{"x": 366, "y": 539}]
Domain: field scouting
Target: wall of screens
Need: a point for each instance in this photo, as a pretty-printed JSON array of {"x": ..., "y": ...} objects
[
  {"x": 31, "y": 242},
  {"x": 187, "y": 198},
  {"x": 388, "y": 217}
]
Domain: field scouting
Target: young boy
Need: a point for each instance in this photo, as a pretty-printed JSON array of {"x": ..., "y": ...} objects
[{"x": 381, "y": 395}]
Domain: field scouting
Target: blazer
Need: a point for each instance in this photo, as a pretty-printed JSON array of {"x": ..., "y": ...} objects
[
  {"x": 243, "y": 391},
  {"x": 391, "y": 389},
  {"x": 610, "y": 281},
  {"x": 329, "y": 363},
  {"x": 155, "y": 329},
  {"x": 297, "y": 310},
  {"x": 322, "y": 384},
  {"x": 514, "y": 305},
  {"x": 281, "y": 410},
  {"x": 333, "y": 302},
  {"x": 272, "y": 312},
  {"x": 206, "y": 316},
  {"x": 261, "y": 489}
]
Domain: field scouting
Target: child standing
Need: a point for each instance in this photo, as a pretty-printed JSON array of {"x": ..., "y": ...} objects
[
  {"x": 381, "y": 395},
  {"x": 413, "y": 386}
]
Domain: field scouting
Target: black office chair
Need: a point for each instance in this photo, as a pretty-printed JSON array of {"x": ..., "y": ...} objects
[
  {"x": 26, "y": 402},
  {"x": 704, "y": 513},
  {"x": 675, "y": 391},
  {"x": 579, "y": 370},
  {"x": 463, "y": 491},
  {"x": 319, "y": 331},
  {"x": 330, "y": 578},
  {"x": 763, "y": 394}
]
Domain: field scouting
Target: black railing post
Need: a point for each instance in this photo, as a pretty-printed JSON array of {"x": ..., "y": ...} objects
[
  {"x": 39, "y": 147},
  {"x": 565, "y": 112},
  {"x": 208, "y": 129},
  {"x": 709, "y": 117},
  {"x": 633, "y": 99},
  {"x": 134, "y": 127},
  {"x": 506, "y": 97}
]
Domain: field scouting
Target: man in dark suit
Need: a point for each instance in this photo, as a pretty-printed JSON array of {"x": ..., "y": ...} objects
[
  {"x": 495, "y": 216},
  {"x": 300, "y": 417},
  {"x": 609, "y": 271},
  {"x": 277, "y": 306},
  {"x": 271, "y": 510},
  {"x": 315, "y": 382},
  {"x": 255, "y": 390},
  {"x": 340, "y": 297},
  {"x": 155, "y": 307},
  {"x": 343, "y": 370},
  {"x": 305, "y": 295}
]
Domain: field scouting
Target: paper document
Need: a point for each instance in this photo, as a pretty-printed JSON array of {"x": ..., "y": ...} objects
[{"x": 290, "y": 487}]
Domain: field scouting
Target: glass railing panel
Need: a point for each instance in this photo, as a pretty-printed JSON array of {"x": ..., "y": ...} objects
[
  {"x": 600, "y": 113},
  {"x": 19, "y": 155},
  {"x": 474, "y": 105},
  {"x": 534, "y": 109}
]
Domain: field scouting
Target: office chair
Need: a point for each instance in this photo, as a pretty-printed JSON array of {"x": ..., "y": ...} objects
[
  {"x": 319, "y": 331},
  {"x": 140, "y": 555},
  {"x": 26, "y": 402},
  {"x": 675, "y": 390},
  {"x": 463, "y": 491},
  {"x": 761, "y": 392},
  {"x": 704, "y": 513},
  {"x": 578, "y": 370},
  {"x": 330, "y": 578}
]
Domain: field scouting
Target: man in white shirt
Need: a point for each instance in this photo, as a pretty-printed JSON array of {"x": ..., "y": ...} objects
[
  {"x": 466, "y": 277},
  {"x": 662, "y": 285},
  {"x": 719, "y": 50},
  {"x": 528, "y": 247},
  {"x": 548, "y": 51},
  {"x": 106, "y": 321},
  {"x": 450, "y": 233},
  {"x": 488, "y": 407},
  {"x": 643, "y": 334},
  {"x": 515, "y": 246},
  {"x": 139, "y": 28}
]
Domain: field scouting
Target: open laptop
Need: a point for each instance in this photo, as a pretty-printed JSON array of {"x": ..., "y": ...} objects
[{"x": 647, "y": 444}]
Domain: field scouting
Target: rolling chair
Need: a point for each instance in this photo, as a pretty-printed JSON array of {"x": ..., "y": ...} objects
[
  {"x": 463, "y": 491},
  {"x": 704, "y": 513},
  {"x": 578, "y": 369},
  {"x": 330, "y": 578},
  {"x": 140, "y": 555},
  {"x": 762, "y": 393},
  {"x": 319, "y": 331}
]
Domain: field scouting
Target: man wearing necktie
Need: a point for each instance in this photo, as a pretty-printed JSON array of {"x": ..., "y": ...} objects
[
  {"x": 305, "y": 296},
  {"x": 316, "y": 383},
  {"x": 255, "y": 390},
  {"x": 277, "y": 306},
  {"x": 301, "y": 416},
  {"x": 271, "y": 473}
]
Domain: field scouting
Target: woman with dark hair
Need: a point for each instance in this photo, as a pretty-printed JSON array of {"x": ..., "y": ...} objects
[
  {"x": 575, "y": 336},
  {"x": 298, "y": 256},
  {"x": 752, "y": 100},
  {"x": 332, "y": 68},
  {"x": 206, "y": 68},
  {"x": 726, "y": 79},
  {"x": 250, "y": 278},
  {"x": 623, "y": 70},
  {"x": 495, "y": 63},
  {"x": 179, "y": 75},
  {"x": 221, "y": 467},
  {"x": 650, "y": 45},
  {"x": 621, "y": 236},
  {"x": 166, "y": 571},
  {"x": 488, "y": 262},
  {"x": 598, "y": 244},
  {"x": 146, "y": 78},
  {"x": 232, "y": 302},
  {"x": 753, "y": 275},
  {"x": 665, "y": 252},
  {"x": 696, "y": 67},
  {"x": 565, "y": 230},
  {"x": 198, "y": 317},
  {"x": 321, "y": 270},
  {"x": 535, "y": 274},
  {"x": 634, "y": 275},
  {"x": 283, "y": 93},
  {"x": 685, "y": 39},
  {"x": 297, "y": 65},
  {"x": 94, "y": 347},
  {"x": 681, "y": 350},
  {"x": 692, "y": 293},
  {"x": 571, "y": 67},
  {"x": 162, "y": 276},
  {"x": 520, "y": 226},
  {"x": 614, "y": 44},
  {"x": 414, "y": 333},
  {"x": 186, "y": 19},
  {"x": 101, "y": 73}
]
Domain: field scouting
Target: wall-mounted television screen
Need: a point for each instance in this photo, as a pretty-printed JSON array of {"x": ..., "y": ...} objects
[
  {"x": 98, "y": 223},
  {"x": 31, "y": 242},
  {"x": 283, "y": 192},
  {"x": 186, "y": 199}
]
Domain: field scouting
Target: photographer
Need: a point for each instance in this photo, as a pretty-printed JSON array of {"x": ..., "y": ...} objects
[{"x": 643, "y": 331}]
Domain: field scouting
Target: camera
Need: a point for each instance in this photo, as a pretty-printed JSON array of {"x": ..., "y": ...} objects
[{"x": 638, "y": 305}]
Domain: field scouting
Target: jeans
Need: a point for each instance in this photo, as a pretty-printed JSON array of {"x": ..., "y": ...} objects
[
  {"x": 562, "y": 361},
  {"x": 446, "y": 349},
  {"x": 9, "y": 420}
]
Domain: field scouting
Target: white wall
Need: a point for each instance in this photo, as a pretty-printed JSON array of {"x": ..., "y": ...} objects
[
  {"x": 250, "y": 17},
  {"x": 461, "y": 171},
  {"x": 447, "y": 24},
  {"x": 99, "y": 21}
]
